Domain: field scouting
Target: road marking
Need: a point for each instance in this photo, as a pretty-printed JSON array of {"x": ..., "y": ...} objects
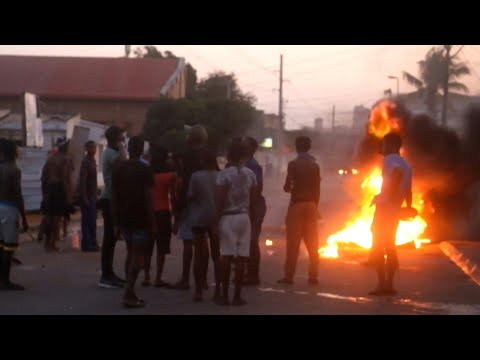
[{"x": 464, "y": 263}]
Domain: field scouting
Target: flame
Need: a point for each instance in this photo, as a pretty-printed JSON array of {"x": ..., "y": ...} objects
[
  {"x": 358, "y": 231},
  {"x": 269, "y": 242},
  {"x": 382, "y": 119}
]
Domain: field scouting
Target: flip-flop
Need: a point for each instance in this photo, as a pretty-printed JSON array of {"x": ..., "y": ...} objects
[{"x": 135, "y": 304}]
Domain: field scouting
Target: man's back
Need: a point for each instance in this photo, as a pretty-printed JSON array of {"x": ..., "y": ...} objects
[
  {"x": 202, "y": 194},
  {"x": 303, "y": 179},
  {"x": 131, "y": 184},
  {"x": 57, "y": 168},
  {"x": 239, "y": 180}
]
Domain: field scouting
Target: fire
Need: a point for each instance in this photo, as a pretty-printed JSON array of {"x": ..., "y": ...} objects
[
  {"x": 268, "y": 242},
  {"x": 382, "y": 119},
  {"x": 358, "y": 231}
]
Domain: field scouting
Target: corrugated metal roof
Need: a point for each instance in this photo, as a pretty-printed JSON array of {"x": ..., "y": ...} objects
[{"x": 85, "y": 78}]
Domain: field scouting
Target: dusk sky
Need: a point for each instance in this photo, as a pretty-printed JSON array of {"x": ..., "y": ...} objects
[{"x": 319, "y": 76}]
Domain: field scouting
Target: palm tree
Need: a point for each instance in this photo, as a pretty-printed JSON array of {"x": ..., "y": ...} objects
[{"x": 431, "y": 80}]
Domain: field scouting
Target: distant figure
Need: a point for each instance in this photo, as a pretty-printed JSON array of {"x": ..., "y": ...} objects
[
  {"x": 113, "y": 155},
  {"x": 396, "y": 188},
  {"x": 88, "y": 198},
  {"x": 236, "y": 191},
  {"x": 132, "y": 185},
  {"x": 257, "y": 215},
  {"x": 189, "y": 162},
  {"x": 201, "y": 194},
  {"x": 303, "y": 183},
  {"x": 58, "y": 191},
  {"x": 164, "y": 198},
  {"x": 11, "y": 206}
]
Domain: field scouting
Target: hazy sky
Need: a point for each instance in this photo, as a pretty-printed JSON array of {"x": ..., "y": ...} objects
[{"x": 319, "y": 76}]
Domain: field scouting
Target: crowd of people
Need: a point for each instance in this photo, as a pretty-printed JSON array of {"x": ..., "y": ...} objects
[{"x": 217, "y": 213}]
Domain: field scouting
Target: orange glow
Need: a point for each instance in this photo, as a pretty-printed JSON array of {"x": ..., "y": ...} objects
[
  {"x": 382, "y": 121},
  {"x": 357, "y": 230},
  {"x": 355, "y": 171}
]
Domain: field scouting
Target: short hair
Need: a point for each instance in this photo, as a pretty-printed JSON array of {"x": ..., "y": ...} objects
[
  {"x": 394, "y": 139},
  {"x": 8, "y": 150},
  {"x": 236, "y": 150},
  {"x": 112, "y": 133},
  {"x": 135, "y": 146},
  {"x": 88, "y": 143},
  {"x": 303, "y": 143},
  {"x": 251, "y": 143}
]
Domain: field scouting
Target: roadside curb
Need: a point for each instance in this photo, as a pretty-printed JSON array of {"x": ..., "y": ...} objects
[{"x": 463, "y": 262}]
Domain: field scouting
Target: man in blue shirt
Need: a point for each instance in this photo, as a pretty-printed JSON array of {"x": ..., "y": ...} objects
[
  {"x": 396, "y": 188},
  {"x": 258, "y": 212}
]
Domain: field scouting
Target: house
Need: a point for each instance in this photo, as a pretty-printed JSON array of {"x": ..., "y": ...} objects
[{"x": 104, "y": 90}]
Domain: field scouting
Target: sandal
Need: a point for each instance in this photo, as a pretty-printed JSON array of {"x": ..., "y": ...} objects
[{"x": 134, "y": 303}]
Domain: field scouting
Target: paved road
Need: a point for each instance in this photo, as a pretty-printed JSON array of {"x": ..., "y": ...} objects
[{"x": 428, "y": 282}]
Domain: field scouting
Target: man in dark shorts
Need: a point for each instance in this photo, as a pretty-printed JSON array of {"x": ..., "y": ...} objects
[
  {"x": 201, "y": 194},
  {"x": 58, "y": 191},
  {"x": 163, "y": 195},
  {"x": 132, "y": 183},
  {"x": 11, "y": 206}
]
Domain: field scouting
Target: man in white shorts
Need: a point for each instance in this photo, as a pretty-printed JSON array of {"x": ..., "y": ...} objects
[{"x": 236, "y": 186}]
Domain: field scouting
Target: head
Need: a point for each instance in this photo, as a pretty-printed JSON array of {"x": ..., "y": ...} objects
[
  {"x": 251, "y": 146},
  {"x": 197, "y": 136},
  {"x": 236, "y": 152},
  {"x": 8, "y": 151},
  {"x": 90, "y": 148},
  {"x": 391, "y": 144},
  {"x": 135, "y": 147},
  {"x": 114, "y": 135},
  {"x": 209, "y": 160},
  {"x": 159, "y": 156},
  {"x": 62, "y": 145},
  {"x": 303, "y": 144}
]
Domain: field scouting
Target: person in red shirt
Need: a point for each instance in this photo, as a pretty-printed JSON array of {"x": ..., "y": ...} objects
[{"x": 164, "y": 194}]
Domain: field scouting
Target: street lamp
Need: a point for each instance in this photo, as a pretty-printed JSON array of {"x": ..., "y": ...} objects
[{"x": 398, "y": 83}]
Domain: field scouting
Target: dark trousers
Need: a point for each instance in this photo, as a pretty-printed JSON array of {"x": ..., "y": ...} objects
[
  {"x": 253, "y": 269},
  {"x": 109, "y": 238},
  {"x": 302, "y": 223},
  {"x": 89, "y": 226}
]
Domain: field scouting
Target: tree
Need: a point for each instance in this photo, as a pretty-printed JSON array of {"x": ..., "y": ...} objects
[
  {"x": 150, "y": 51},
  {"x": 432, "y": 81},
  {"x": 220, "y": 85}
]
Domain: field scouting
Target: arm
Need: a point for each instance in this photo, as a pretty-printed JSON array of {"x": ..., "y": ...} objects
[
  {"x": 289, "y": 180},
  {"x": 83, "y": 183},
  {"x": 191, "y": 193},
  {"x": 317, "y": 181},
  {"x": 19, "y": 198},
  {"x": 173, "y": 193},
  {"x": 221, "y": 196}
]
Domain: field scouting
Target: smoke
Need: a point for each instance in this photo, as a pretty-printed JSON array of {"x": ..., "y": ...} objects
[{"x": 445, "y": 167}]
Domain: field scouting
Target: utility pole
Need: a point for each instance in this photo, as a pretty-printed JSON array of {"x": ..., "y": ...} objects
[
  {"x": 333, "y": 119},
  {"x": 280, "y": 100},
  {"x": 445, "y": 84}
]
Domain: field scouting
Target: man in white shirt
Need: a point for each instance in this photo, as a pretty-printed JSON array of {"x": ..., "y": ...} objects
[{"x": 396, "y": 188}]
